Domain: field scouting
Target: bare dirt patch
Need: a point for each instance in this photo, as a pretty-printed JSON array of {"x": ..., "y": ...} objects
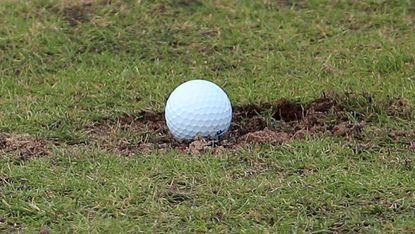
[
  {"x": 25, "y": 147},
  {"x": 267, "y": 136},
  {"x": 271, "y": 123}
]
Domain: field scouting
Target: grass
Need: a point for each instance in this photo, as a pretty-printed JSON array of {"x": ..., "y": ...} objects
[
  {"x": 68, "y": 64},
  {"x": 300, "y": 187}
]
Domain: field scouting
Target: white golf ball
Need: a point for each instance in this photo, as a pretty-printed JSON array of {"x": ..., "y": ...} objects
[{"x": 198, "y": 108}]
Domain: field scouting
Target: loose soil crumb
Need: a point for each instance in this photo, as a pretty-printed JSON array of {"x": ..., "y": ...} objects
[
  {"x": 200, "y": 145},
  {"x": 396, "y": 135},
  {"x": 25, "y": 147},
  {"x": 267, "y": 136},
  {"x": 399, "y": 107},
  {"x": 347, "y": 130}
]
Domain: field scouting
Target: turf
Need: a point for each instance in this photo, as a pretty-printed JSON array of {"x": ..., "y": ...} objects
[{"x": 65, "y": 65}]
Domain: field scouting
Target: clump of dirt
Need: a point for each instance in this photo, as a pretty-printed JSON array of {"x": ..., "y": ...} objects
[
  {"x": 200, "y": 145},
  {"x": 399, "y": 107},
  {"x": 405, "y": 137},
  {"x": 267, "y": 136},
  {"x": 25, "y": 147},
  {"x": 267, "y": 123},
  {"x": 346, "y": 129},
  {"x": 396, "y": 135}
]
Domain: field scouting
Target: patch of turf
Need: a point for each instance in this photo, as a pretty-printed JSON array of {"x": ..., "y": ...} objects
[
  {"x": 65, "y": 65},
  {"x": 313, "y": 186},
  {"x": 120, "y": 56}
]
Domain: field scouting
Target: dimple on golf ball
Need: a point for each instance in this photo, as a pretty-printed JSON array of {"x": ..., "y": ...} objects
[{"x": 198, "y": 108}]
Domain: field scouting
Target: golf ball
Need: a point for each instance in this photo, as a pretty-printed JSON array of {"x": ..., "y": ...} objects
[{"x": 198, "y": 108}]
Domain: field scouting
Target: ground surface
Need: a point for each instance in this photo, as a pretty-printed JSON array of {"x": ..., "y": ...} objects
[{"x": 323, "y": 135}]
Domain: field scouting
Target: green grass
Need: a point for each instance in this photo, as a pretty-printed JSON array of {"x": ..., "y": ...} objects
[
  {"x": 298, "y": 187},
  {"x": 65, "y": 65}
]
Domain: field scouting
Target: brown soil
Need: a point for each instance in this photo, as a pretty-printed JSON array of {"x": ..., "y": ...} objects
[
  {"x": 272, "y": 123},
  {"x": 269, "y": 123},
  {"x": 267, "y": 136},
  {"x": 24, "y": 147}
]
